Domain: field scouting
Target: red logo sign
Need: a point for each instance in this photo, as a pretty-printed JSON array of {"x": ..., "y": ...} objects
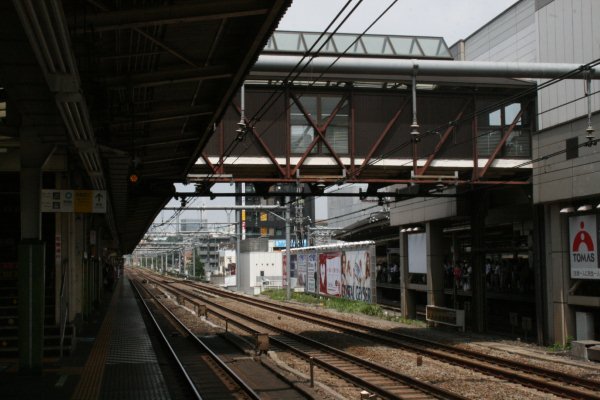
[{"x": 583, "y": 237}]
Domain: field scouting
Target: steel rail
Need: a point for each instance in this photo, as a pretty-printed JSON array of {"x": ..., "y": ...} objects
[
  {"x": 385, "y": 372},
  {"x": 165, "y": 341},
  {"x": 500, "y": 367},
  {"x": 239, "y": 381}
]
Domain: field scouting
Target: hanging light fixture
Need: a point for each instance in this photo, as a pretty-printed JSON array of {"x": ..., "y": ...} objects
[
  {"x": 414, "y": 127},
  {"x": 567, "y": 210},
  {"x": 588, "y": 93},
  {"x": 585, "y": 207}
]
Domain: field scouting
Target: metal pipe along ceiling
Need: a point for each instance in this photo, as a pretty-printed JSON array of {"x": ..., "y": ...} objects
[
  {"x": 45, "y": 26},
  {"x": 430, "y": 68}
]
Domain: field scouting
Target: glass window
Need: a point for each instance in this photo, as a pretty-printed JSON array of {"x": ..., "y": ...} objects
[
  {"x": 320, "y": 109},
  {"x": 337, "y": 131},
  {"x": 487, "y": 142},
  {"x": 517, "y": 144},
  {"x": 311, "y": 38},
  {"x": 374, "y": 44},
  {"x": 495, "y": 118},
  {"x": 287, "y": 41},
  {"x": 302, "y": 132},
  {"x": 402, "y": 45},
  {"x": 510, "y": 113},
  {"x": 431, "y": 47},
  {"x": 342, "y": 42}
]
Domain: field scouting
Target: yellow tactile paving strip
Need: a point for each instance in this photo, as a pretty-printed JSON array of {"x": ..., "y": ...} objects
[{"x": 90, "y": 383}]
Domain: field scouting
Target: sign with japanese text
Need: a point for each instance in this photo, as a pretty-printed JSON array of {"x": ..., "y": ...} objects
[
  {"x": 79, "y": 201},
  {"x": 583, "y": 247}
]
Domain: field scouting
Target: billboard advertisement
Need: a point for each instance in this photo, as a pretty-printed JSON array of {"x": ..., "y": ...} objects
[
  {"x": 311, "y": 272},
  {"x": 583, "y": 247},
  {"x": 356, "y": 275},
  {"x": 301, "y": 271},
  {"x": 330, "y": 273},
  {"x": 417, "y": 253}
]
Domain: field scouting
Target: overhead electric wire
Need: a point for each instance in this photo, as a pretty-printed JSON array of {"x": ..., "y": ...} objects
[
  {"x": 492, "y": 107},
  {"x": 477, "y": 113},
  {"x": 235, "y": 142}
]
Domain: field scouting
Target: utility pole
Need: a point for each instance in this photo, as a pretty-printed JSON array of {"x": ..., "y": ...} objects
[{"x": 287, "y": 248}]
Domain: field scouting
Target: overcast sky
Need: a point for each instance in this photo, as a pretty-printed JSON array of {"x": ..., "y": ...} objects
[{"x": 450, "y": 19}]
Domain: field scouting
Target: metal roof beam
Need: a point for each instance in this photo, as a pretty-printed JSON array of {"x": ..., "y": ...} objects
[
  {"x": 172, "y": 14},
  {"x": 167, "y": 77},
  {"x": 165, "y": 115}
]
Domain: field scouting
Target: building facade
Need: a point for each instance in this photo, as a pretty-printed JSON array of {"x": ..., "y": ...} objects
[{"x": 566, "y": 168}]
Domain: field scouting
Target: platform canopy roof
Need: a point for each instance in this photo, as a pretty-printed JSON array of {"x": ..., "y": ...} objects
[{"x": 128, "y": 86}]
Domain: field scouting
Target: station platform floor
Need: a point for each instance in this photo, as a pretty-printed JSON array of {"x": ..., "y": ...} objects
[{"x": 114, "y": 359}]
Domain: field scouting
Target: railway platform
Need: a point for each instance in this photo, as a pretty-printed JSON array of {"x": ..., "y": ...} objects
[{"x": 114, "y": 360}]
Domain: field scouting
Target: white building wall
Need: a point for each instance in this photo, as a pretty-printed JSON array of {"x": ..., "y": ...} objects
[
  {"x": 553, "y": 31},
  {"x": 345, "y": 211},
  {"x": 509, "y": 37},
  {"x": 251, "y": 265},
  {"x": 557, "y": 178},
  {"x": 568, "y": 32}
]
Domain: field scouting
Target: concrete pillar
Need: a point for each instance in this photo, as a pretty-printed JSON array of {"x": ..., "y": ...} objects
[
  {"x": 31, "y": 268},
  {"x": 478, "y": 297},
  {"x": 436, "y": 250},
  {"x": 406, "y": 297},
  {"x": 76, "y": 249},
  {"x": 560, "y": 318},
  {"x": 539, "y": 273}
]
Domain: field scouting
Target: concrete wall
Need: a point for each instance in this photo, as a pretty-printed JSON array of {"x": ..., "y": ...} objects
[
  {"x": 557, "y": 178},
  {"x": 421, "y": 209}
]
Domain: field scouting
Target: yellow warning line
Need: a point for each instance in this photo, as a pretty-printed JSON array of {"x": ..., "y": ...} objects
[{"x": 90, "y": 383}]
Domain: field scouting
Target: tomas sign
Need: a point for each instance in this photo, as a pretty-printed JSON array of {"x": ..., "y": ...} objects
[{"x": 583, "y": 247}]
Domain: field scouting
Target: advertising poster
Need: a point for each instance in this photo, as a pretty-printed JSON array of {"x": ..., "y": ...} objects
[
  {"x": 417, "y": 253},
  {"x": 311, "y": 272},
  {"x": 322, "y": 273},
  {"x": 583, "y": 247},
  {"x": 187, "y": 259},
  {"x": 357, "y": 275},
  {"x": 301, "y": 271},
  {"x": 330, "y": 273},
  {"x": 293, "y": 269}
]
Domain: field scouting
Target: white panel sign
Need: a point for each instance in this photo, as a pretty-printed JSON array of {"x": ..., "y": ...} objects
[
  {"x": 80, "y": 201},
  {"x": 417, "y": 253},
  {"x": 57, "y": 200},
  {"x": 583, "y": 247}
]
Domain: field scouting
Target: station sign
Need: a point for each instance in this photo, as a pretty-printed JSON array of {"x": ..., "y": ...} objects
[
  {"x": 78, "y": 201},
  {"x": 583, "y": 247}
]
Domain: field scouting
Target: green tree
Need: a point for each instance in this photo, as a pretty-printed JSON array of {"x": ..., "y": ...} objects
[{"x": 199, "y": 272}]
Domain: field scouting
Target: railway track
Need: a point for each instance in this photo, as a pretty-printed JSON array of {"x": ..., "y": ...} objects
[
  {"x": 375, "y": 378},
  {"x": 560, "y": 384},
  {"x": 207, "y": 375}
]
